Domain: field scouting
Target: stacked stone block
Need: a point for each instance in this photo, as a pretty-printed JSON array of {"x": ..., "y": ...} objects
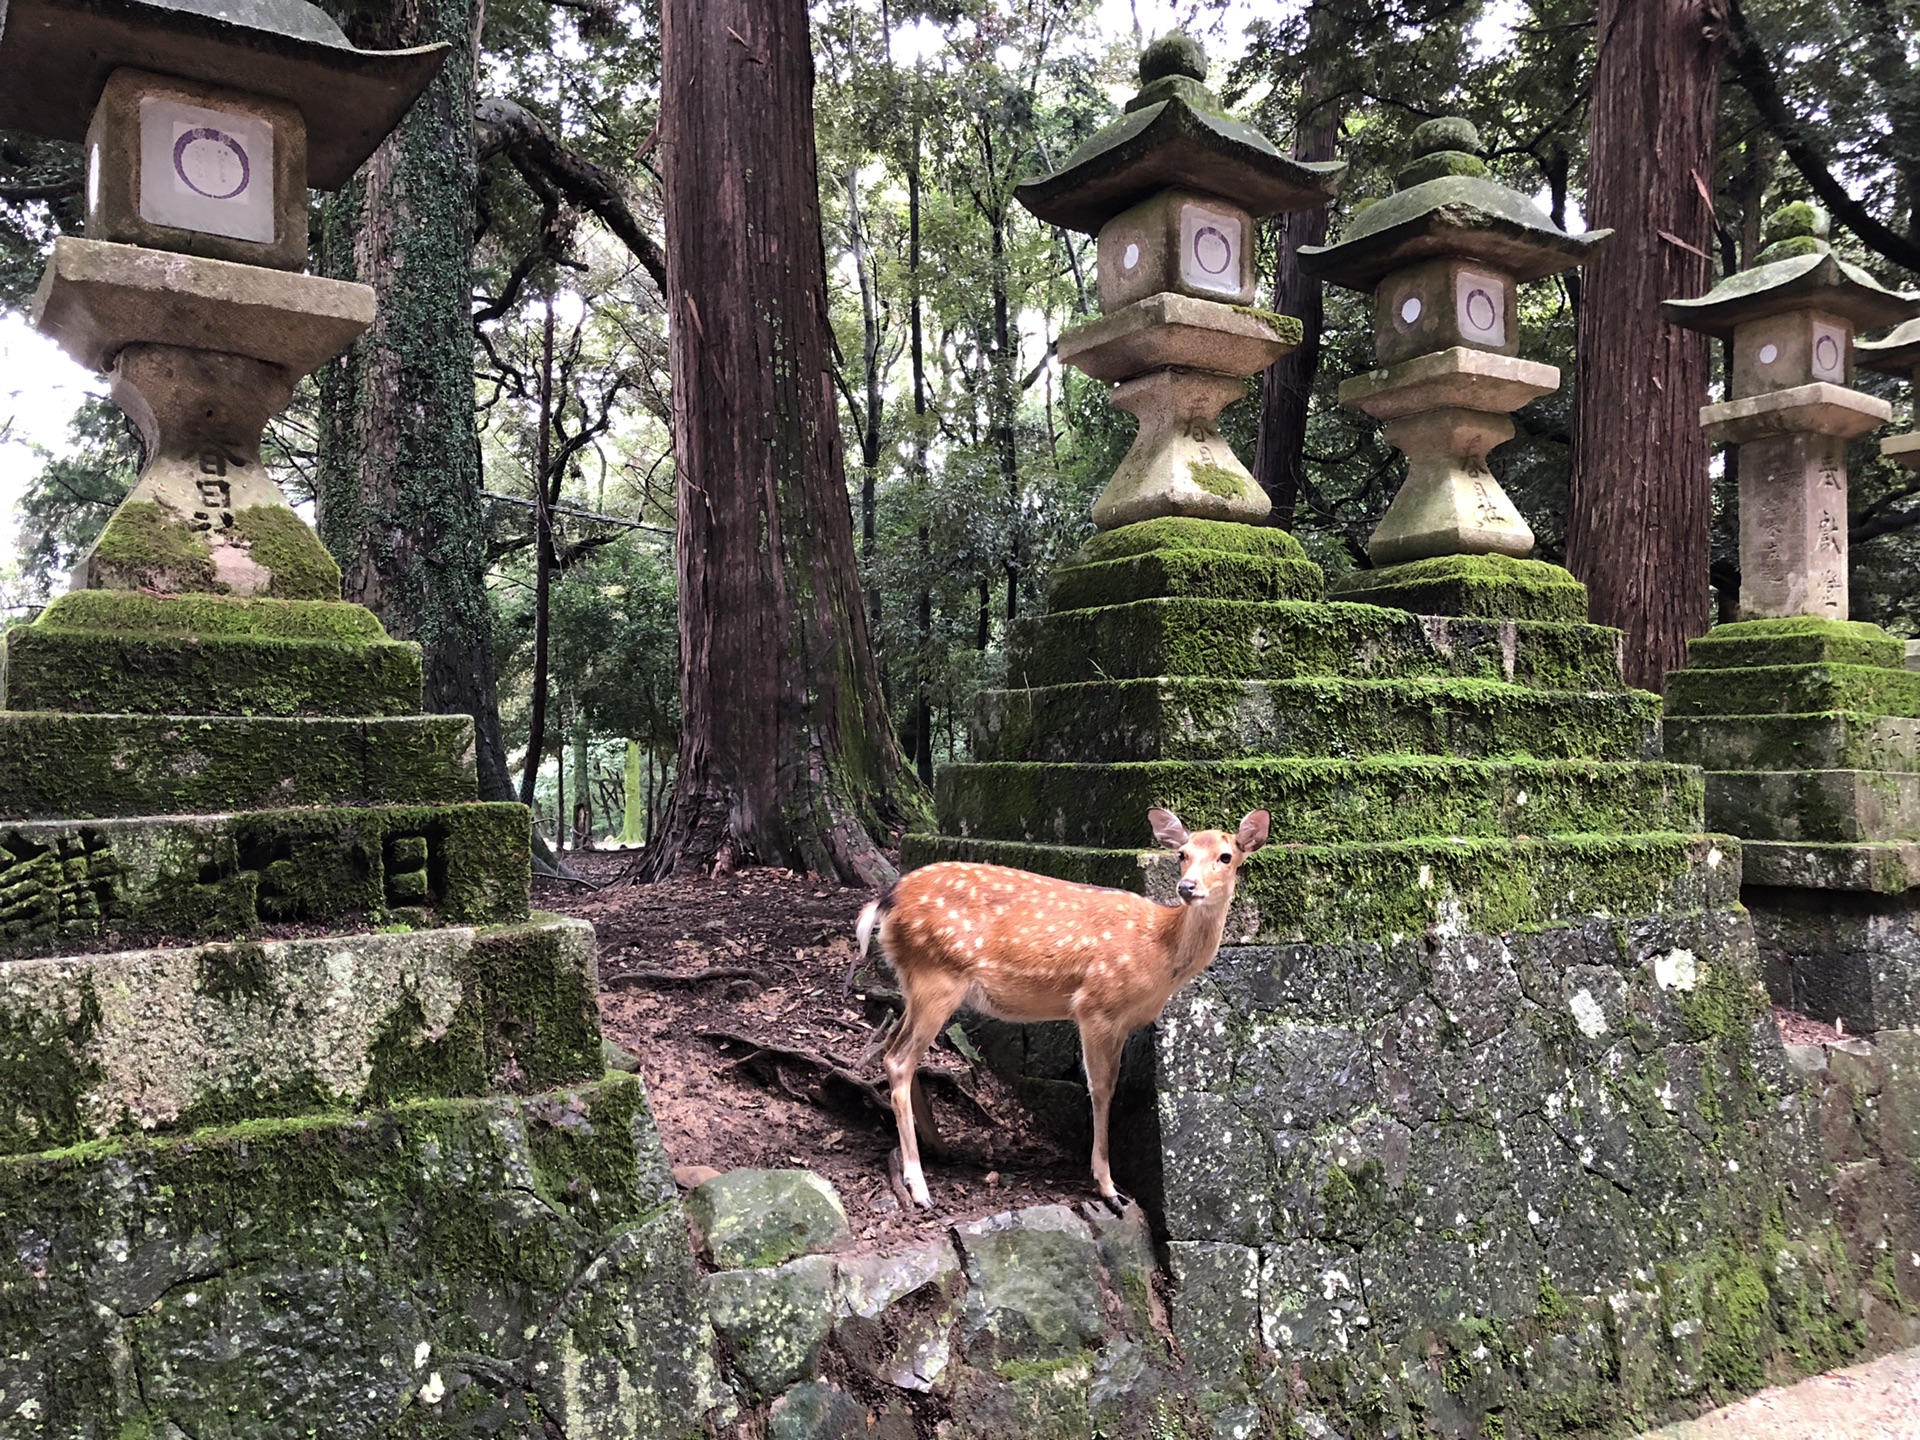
[
  {"x": 1480, "y": 1118},
  {"x": 1809, "y": 733},
  {"x": 305, "y": 1124}
]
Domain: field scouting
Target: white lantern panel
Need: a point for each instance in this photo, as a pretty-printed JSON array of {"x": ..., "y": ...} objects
[
  {"x": 1481, "y": 303},
  {"x": 1211, "y": 246},
  {"x": 206, "y": 170},
  {"x": 1829, "y": 352}
]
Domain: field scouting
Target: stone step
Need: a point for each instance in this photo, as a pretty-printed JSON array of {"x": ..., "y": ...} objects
[
  {"x": 1318, "y": 801},
  {"x": 85, "y": 884},
  {"x": 1794, "y": 690},
  {"x": 1185, "y": 719},
  {"x": 89, "y": 766},
  {"x": 1836, "y": 740},
  {"x": 1342, "y": 893},
  {"x": 1846, "y": 806},
  {"x": 1288, "y": 640},
  {"x": 1890, "y": 867},
  {"x": 346, "y": 1266},
  {"x": 1202, "y": 574},
  {"x": 160, "y": 1040},
  {"x": 98, "y": 652}
]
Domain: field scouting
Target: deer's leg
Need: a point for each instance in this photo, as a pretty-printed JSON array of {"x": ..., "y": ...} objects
[
  {"x": 930, "y": 1003},
  {"x": 1101, "y": 1042}
]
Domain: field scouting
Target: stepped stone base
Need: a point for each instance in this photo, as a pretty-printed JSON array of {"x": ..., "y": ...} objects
[
  {"x": 453, "y": 1267},
  {"x": 155, "y": 1040},
  {"x": 1841, "y": 957},
  {"x": 1497, "y": 587}
]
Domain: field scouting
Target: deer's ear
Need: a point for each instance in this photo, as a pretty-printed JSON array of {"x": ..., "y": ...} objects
[
  {"x": 1167, "y": 828},
  {"x": 1253, "y": 832}
]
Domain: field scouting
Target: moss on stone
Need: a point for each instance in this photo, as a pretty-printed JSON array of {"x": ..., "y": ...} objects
[
  {"x": 1210, "y": 574},
  {"x": 1496, "y": 587},
  {"x": 1182, "y": 532},
  {"x": 89, "y": 672},
  {"x": 209, "y": 615},
  {"x": 1219, "y": 480},
  {"x": 46, "y": 1072},
  {"x": 1319, "y": 801},
  {"x": 1836, "y": 740},
  {"x": 1794, "y": 690},
  {"x": 1802, "y": 640},
  {"x": 285, "y": 544},
  {"x": 145, "y": 547}
]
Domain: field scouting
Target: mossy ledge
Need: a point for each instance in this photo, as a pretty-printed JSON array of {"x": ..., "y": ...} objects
[
  {"x": 1804, "y": 640},
  {"x": 1797, "y": 689},
  {"x": 1181, "y": 532},
  {"x": 439, "y": 1269},
  {"x": 1207, "y": 574},
  {"x": 209, "y": 615},
  {"x": 1492, "y": 587}
]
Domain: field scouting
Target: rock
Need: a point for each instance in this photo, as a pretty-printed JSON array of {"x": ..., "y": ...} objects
[
  {"x": 1033, "y": 1286},
  {"x": 897, "y": 1312},
  {"x": 1216, "y": 1305},
  {"x": 691, "y": 1177},
  {"x": 818, "y": 1411},
  {"x": 773, "y": 1323},
  {"x": 618, "y": 1057},
  {"x": 750, "y": 1219}
]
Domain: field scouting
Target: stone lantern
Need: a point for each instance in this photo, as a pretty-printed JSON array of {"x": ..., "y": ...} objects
[
  {"x": 1792, "y": 319},
  {"x": 1898, "y": 354},
  {"x": 203, "y": 130},
  {"x": 1172, "y": 191},
  {"x": 1443, "y": 257}
]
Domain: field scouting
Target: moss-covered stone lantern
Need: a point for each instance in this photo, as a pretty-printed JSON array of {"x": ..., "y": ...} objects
[
  {"x": 1792, "y": 317},
  {"x": 1171, "y": 190},
  {"x": 1896, "y": 354},
  {"x": 204, "y": 128},
  {"x": 1443, "y": 257}
]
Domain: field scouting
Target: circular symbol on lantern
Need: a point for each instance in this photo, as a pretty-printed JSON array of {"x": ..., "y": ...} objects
[
  {"x": 1410, "y": 310},
  {"x": 1826, "y": 354},
  {"x": 1769, "y": 353},
  {"x": 211, "y": 162},
  {"x": 1132, "y": 257},
  {"x": 1212, "y": 251},
  {"x": 1480, "y": 310}
]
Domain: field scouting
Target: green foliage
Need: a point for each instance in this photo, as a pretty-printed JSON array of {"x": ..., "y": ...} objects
[{"x": 67, "y": 502}]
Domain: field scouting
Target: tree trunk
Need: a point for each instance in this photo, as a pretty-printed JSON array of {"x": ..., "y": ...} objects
[
  {"x": 923, "y": 601},
  {"x": 1280, "y": 455},
  {"x": 786, "y": 754},
  {"x": 399, "y": 469},
  {"x": 1639, "y": 509},
  {"x": 543, "y": 558}
]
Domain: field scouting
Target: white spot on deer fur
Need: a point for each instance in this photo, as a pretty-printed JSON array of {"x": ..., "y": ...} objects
[
  {"x": 1676, "y": 970},
  {"x": 1587, "y": 1014}
]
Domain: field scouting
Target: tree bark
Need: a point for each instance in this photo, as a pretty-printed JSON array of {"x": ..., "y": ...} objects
[
  {"x": 786, "y": 755},
  {"x": 1640, "y": 505},
  {"x": 543, "y": 558},
  {"x": 1280, "y": 453},
  {"x": 399, "y": 469}
]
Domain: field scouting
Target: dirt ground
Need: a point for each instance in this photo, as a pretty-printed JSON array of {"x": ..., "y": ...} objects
[
  {"x": 1876, "y": 1401},
  {"x": 780, "y": 945}
]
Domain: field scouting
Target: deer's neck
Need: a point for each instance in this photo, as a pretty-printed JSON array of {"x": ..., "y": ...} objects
[{"x": 1193, "y": 937}]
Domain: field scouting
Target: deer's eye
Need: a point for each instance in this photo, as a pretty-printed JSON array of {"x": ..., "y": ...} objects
[{"x": 1226, "y": 858}]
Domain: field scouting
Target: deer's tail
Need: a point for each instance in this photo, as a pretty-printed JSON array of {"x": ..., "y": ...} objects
[{"x": 863, "y": 931}]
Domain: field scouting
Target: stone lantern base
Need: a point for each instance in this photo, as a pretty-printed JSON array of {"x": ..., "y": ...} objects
[{"x": 1809, "y": 733}]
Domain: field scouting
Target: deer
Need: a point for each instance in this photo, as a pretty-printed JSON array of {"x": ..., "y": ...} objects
[{"x": 1025, "y": 947}]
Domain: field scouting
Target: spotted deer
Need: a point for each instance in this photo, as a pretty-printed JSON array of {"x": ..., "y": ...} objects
[{"x": 1024, "y": 947}]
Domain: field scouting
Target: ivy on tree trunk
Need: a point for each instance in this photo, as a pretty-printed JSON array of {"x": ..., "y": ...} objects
[
  {"x": 399, "y": 467},
  {"x": 1640, "y": 507},
  {"x": 786, "y": 754}
]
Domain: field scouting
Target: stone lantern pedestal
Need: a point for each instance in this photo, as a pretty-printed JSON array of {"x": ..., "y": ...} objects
[
  {"x": 306, "y": 1125},
  {"x": 1484, "y": 888},
  {"x": 1803, "y": 719}
]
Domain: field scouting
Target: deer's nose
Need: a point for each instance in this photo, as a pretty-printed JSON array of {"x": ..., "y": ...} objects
[{"x": 1187, "y": 889}]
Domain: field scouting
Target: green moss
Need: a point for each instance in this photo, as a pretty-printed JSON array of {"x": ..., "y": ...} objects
[
  {"x": 1438, "y": 166},
  {"x": 233, "y": 974},
  {"x": 1794, "y": 690},
  {"x": 46, "y": 1074},
  {"x": 1722, "y": 1005},
  {"x": 209, "y": 615},
  {"x": 1837, "y": 740},
  {"x": 1018, "y": 1370},
  {"x": 1495, "y": 587},
  {"x": 1379, "y": 798},
  {"x": 1790, "y": 249},
  {"x": 1218, "y": 480},
  {"x": 1180, "y": 532},
  {"x": 98, "y": 673},
  {"x": 1802, "y": 640},
  {"x": 1551, "y": 1308},
  {"x": 284, "y": 543},
  {"x": 144, "y": 547},
  {"x": 1210, "y": 574}
]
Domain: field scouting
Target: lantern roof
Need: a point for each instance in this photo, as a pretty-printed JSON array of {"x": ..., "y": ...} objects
[
  {"x": 1445, "y": 204},
  {"x": 1796, "y": 271},
  {"x": 1897, "y": 353},
  {"x": 56, "y": 55},
  {"x": 1175, "y": 134}
]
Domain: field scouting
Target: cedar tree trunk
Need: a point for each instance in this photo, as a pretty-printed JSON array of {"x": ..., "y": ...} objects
[
  {"x": 399, "y": 471},
  {"x": 1640, "y": 505},
  {"x": 786, "y": 754}
]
